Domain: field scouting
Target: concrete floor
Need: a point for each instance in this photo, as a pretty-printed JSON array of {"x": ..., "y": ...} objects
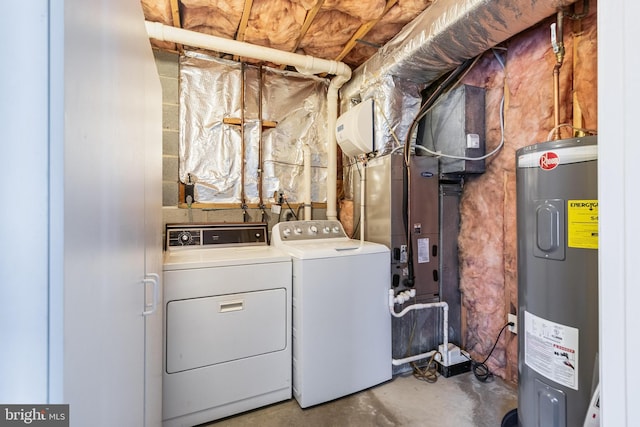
[{"x": 458, "y": 401}]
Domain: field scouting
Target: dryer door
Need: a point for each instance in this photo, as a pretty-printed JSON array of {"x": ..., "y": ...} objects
[{"x": 211, "y": 330}]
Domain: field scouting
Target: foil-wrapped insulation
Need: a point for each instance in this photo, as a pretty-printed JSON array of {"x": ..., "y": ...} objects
[
  {"x": 211, "y": 151},
  {"x": 441, "y": 38},
  {"x": 446, "y": 34}
]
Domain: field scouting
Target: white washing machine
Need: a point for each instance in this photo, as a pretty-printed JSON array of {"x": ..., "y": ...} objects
[
  {"x": 341, "y": 319},
  {"x": 227, "y": 335}
]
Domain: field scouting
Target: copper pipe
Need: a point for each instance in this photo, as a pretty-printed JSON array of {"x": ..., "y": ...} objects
[
  {"x": 243, "y": 196},
  {"x": 556, "y": 101},
  {"x": 578, "y": 123},
  {"x": 260, "y": 139},
  {"x": 558, "y": 49}
]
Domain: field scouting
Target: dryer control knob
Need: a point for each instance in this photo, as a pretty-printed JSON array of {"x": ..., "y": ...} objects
[{"x": 185, "y": 238}]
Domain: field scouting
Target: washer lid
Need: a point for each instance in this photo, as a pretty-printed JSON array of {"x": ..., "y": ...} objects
[
  {"x": 186, "y": 258},
  {"x": 329, "y": 248}
]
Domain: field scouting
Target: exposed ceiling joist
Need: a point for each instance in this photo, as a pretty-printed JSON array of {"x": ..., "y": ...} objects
[
  {"x": 175, "y": 14},
  {"x": 308, "y": 20},
  {"x": 242, "y": 27},
  {"x": 319, "y": 28},
  {"x": 363, "y": 30},
  {"x": 244, "y": 21}
]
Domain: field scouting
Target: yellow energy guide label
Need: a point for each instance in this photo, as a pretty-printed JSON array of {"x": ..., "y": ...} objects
[{"x": 582, "y": 224}]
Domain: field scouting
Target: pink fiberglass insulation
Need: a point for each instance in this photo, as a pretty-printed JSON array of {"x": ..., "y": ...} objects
[{"x": 488, "y": 232}]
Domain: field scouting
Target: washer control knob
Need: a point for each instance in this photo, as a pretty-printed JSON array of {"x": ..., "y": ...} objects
[
  {"x": 286, "y": 232},
  {"x": 326, "y": 229},
  {"x": 297, "y": 230},
  {"x": 313, "y": 229},
  {"x": 336, "y": 229}
]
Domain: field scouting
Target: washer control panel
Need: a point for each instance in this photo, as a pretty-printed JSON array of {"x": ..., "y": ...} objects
[
  {"x": 218, "y": 234},
  {"x": 308, "y": 230}
]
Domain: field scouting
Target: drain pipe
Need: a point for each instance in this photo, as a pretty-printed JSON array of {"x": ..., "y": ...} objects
[
  {"x": 305, "y": 64},
  {"x": 405, "y": 296},
  {"x": 332, "y": 146}
]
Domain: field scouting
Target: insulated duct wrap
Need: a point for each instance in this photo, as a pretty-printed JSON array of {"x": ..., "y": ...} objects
[
  {"x": 211, "y": 151},
  {"x": 441, "y": 38}
]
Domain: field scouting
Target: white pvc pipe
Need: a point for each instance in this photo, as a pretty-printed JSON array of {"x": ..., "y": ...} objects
[
  {"x": 398, "y": 362},
  {"x": 445, "y": 326},
  {"x": 304, "y": 64},
  {"x": 362, "y": 196},
  {"x": 307, "y": 181}
]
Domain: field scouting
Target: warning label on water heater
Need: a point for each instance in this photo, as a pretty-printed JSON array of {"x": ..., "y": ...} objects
[
  {"x": 582, "y": 224},
  {"x": 551, "y": 349}
]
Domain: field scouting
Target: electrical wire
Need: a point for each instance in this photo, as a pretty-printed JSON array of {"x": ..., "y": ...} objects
[
  {"x": 486, "y": 156},
  {"x": 480, "y": 369},
  {"x": 455, "y": 76},
  {"x": 357, "y": 226},
  {"x": 451, "y": 80},
  {"x": 495, "y": 150},
  {"x": 391, "y": 131},
  {"x": 589, "y": 131},
  {"x": 290, "y": 209},
  {"x": 428, "y": 373}
]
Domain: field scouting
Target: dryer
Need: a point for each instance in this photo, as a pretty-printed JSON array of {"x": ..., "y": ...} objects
[
  {"x": 341, "y": 319},
  {"x": 227, "y": 332}
]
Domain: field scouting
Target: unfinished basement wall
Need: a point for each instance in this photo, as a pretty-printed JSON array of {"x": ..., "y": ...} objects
[
  {"x": 168, "y": 65},
  {"x": 487, "y": 239}
]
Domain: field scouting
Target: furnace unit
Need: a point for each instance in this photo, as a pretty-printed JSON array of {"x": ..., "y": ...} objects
[{"x": 387, "y": 220}]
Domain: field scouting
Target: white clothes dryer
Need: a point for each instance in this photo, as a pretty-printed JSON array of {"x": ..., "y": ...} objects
[
  {"x": 227, "y": 334},
  {"x": 341, "y": 319}
]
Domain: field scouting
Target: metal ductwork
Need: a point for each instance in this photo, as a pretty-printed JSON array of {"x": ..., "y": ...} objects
[{"x": 445, "y": 35}]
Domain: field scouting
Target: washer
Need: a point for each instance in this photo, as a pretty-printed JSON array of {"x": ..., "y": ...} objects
[
  {"x": 227, "y": 334},
  {"x": 341, "y": 319}
]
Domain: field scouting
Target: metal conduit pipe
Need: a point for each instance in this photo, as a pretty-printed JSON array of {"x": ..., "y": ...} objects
[{"x": 305, "y": 64}]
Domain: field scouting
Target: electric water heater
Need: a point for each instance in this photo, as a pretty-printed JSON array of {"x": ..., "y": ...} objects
[{"x": 557, "y": 208}]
